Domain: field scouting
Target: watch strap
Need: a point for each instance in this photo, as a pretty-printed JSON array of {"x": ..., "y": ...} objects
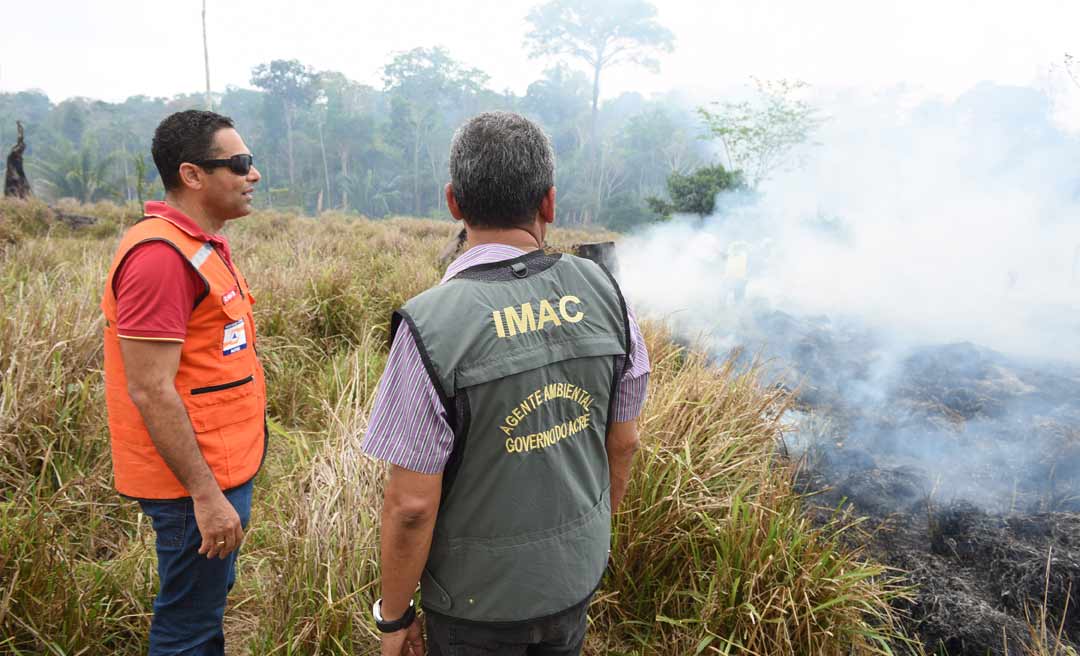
[{"x": 403, "y": 622}]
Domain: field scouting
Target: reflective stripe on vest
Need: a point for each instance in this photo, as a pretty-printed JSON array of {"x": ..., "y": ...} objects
[
  {"x": 200, "y": 255},
  {"x": 527, "y": 371},
  {"x": 219, "y": 378}
]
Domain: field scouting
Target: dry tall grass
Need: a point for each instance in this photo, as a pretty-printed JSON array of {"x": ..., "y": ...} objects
[{"x": 712, "y": 553}]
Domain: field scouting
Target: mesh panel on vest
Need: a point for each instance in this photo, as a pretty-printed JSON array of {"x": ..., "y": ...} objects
[{"x": 503, "y": 271}]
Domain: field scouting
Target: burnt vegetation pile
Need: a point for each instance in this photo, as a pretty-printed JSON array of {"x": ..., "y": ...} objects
[
  {"x": 983, "y": 583},
  {"x": 963, "y": 464}
]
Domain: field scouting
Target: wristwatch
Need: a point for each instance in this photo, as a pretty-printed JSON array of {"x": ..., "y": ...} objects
[{"x": 403, "y": 622}]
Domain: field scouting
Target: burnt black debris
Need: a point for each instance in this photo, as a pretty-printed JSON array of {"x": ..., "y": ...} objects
[{"x": 964, "y": 461}]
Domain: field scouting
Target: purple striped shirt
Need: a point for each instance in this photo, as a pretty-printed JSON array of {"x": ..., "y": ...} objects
[{"x": 408, "y": 425}]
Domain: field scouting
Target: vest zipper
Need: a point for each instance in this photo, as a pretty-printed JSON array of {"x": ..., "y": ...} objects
[{"x": 223, "y": 386}]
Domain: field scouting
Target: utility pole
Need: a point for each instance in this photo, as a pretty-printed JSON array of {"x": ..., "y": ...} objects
[{"x": 206, "y": 59}]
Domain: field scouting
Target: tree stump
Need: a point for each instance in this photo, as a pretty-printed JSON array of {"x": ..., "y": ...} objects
[
  {"x": 15, "y": 182},
  {"x": 601, "y": 252},
  {"x": 452, "y": 248}
]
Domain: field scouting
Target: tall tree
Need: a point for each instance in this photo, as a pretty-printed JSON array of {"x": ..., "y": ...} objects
[
  {"x": 761, "y": 134},
  {"x": 320, "y": 122},
  {"x": 206, "y": 58},
  {"x": 601, "y": 34},
  {"x": 560, "y": 100},
  {"x": 427, "y": 90},
  {"x": 70, "y": 118},
  {"x": 350, "y": 125},
  {"x": 293, "y": 86},
  {"x": 654, "y": 144},
  {"x": 140, "y": 178}
]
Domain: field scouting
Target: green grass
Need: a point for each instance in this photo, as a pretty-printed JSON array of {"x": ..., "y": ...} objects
[{"x": 712, "y": 551}]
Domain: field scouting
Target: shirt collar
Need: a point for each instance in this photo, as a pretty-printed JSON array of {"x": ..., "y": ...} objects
[
  {"x": 482, "y": 254},
  {"x": 180, "y": 220}
]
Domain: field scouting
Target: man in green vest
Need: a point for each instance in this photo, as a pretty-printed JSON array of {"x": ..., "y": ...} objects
[{"x": 507, "y": 411}]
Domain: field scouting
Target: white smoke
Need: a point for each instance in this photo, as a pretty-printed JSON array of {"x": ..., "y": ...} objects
[
  {"x": 932, "y": 223},
  {"x": 914, "y": 229}
]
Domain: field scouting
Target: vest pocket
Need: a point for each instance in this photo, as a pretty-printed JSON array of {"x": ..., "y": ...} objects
[
  {"x": 223, "y": 386},
  {"x": 517, "y": 578},
  {"x": 600, "y": 512},
  {"x": 215, "y": 406},
  {"x": 432, "y": 594},
  {"x": 237, "y": 307}
]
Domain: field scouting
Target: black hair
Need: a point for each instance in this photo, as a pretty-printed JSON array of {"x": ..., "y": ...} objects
[{"x": 186, "y": 136}]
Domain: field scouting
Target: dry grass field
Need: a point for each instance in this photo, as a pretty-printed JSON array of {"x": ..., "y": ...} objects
[{"x": 712, "y": 553}]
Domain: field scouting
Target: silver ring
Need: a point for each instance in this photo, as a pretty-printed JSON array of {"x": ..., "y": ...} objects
[{"x": 221, "y": 541}]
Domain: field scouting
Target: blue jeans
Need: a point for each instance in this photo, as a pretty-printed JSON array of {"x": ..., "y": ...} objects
[{"x": 190, "y": 603}]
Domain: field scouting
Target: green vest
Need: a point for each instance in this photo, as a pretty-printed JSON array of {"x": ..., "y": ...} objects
[{"x": 524, "y": 354}]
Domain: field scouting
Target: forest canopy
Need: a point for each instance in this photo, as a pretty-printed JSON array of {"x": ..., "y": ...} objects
[{"x": 323, "y": 141}]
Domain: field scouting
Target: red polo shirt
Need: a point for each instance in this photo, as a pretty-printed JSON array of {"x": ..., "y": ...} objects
[{"x": 156, "y": 287}]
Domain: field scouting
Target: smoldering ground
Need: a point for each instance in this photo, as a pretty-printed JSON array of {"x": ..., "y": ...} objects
[
  {"x": 908, "y": 230},
  {"x": 917, "y": 283}
]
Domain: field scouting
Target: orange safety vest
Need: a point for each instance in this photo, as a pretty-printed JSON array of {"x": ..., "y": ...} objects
[{"x": 220, "y": 379}]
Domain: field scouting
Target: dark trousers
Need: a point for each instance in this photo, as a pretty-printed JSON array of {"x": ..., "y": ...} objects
[
  {"x": 190, "y": 604},
  {"x": 559, "y": 635}
]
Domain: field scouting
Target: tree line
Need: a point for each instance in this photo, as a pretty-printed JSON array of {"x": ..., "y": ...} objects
[{"x": 323, "y": 141}]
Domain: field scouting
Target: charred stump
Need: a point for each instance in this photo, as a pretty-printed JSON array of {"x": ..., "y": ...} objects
[
  {"x": 601, "y": 252},
  {"x": 15, "y": 182}
]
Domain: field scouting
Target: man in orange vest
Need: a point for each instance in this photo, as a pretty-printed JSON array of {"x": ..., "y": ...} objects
[{"x": 184, "y": 389}]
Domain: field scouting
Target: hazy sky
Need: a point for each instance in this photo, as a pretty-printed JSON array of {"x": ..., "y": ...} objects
[{"x": 112, "y": 49}]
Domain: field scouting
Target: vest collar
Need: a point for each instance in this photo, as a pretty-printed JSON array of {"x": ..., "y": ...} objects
[
  {"x": 162, "y": 210},
  {"x": 539, "y": 258},
  {"x": 481, "y": 254}
]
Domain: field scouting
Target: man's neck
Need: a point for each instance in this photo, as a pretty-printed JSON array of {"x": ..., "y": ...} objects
[
  {"x": 195, "y": 212},
  {"x": 523, "y": 238}
]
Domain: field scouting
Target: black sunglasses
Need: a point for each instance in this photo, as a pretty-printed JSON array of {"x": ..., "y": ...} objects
[{"x": 238, "y": 164}]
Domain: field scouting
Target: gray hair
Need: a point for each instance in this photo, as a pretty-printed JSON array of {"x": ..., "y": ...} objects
[{"x": 501, "y": 167}]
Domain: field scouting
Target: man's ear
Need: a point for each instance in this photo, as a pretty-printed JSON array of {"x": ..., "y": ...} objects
[
  {"x": 192, "y": 176},
  {"x": 547, "y": 206},
  {"x": 451, "y": 203}
]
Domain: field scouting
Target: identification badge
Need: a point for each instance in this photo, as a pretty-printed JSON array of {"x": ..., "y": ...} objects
[{"x": 235, "y": 338}]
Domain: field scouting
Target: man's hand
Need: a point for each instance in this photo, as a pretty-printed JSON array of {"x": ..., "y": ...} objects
[
  {"x": 219, "y": 524},
  {"x": 406, "y": 642}
]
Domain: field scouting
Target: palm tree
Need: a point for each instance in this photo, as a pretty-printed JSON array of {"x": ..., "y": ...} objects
[{"x": 79, "y": 173}]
